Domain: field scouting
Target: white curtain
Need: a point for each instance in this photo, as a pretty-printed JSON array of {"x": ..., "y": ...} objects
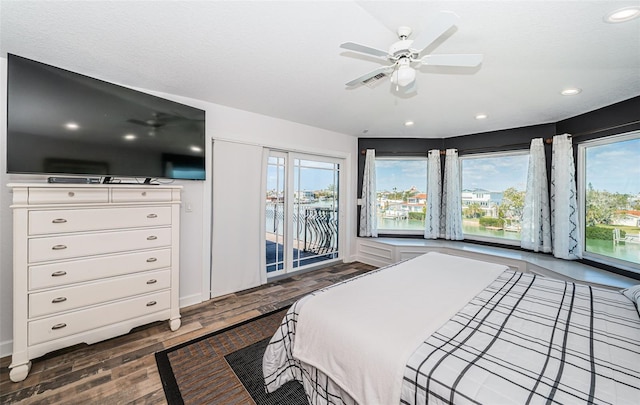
[
  {"x": 567, "y": 243},
  {"x": 536, "y": 223},
  {"x": 451, "y": 214},
  {"x": 434, "y": 187},
  {"x": 368, "y": 218}
]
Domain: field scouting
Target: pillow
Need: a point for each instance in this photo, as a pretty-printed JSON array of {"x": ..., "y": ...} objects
[{"x": 633, "y": 293}]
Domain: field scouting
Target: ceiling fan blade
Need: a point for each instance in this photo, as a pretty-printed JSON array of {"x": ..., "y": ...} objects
[
  {"x": 352, "y": 46},
  {"x": 138, "y": 122},
  {"x": 367, "y": 76},
  {"x": 434, "y": 29},
  {"x": 466, "y": 60}
]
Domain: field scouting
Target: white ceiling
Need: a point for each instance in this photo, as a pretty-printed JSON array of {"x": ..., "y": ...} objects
[{"x": 282, "y": 58}]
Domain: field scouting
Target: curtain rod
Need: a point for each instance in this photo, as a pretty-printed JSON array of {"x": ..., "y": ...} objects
[
  {"x": 595, "y": 131},
  {"x": 443, "y": 152},
  {"x": 547, "y": 141}
]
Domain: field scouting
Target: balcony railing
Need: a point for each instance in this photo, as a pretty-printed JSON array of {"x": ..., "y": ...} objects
[{"x": 315, "y": 228}]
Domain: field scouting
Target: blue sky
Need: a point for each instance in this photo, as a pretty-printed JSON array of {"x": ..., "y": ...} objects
[
  {"x": 402, "y": 174},
  {"x": 313, "y": 175},
  {"x": 492, "y": 174},
  {"x": 615, "y": 167},
  {"x": 496, "y": 173}
]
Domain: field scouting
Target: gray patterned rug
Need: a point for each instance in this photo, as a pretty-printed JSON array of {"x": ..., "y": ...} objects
[
  {"x": 247, "y": 365},
  {"x": 225, "y": 367}
]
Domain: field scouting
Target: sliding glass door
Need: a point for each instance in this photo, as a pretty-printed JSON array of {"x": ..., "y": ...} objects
[{"x": 302, "y": 211}]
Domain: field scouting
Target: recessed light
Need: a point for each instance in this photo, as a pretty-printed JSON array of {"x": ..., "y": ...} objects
[
  {"x": 72, "y": 126},
  {"x": 481, "y": 116},
  {"x": 622, "y": 14},
  {"x": 571, "y": 91},
  {"x": 129, "y": 137},
  {"x": 409, "y": 123}
]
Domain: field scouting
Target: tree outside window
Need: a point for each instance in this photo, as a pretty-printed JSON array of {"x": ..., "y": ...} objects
[{"x": 610, "y": 176}]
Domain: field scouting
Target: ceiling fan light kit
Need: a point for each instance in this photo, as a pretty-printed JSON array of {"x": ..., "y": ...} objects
[
  {"x": 404, "y": 75},
  {"x": 406, "y": 52}
]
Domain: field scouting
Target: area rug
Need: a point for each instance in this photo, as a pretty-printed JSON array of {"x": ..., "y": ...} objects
[{"x": 225, "y": 367}]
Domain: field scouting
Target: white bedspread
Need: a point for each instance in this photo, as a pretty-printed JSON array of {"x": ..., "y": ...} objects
[{"x": 331, "y": 323}]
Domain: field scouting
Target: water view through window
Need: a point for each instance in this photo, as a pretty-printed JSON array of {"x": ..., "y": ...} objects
[
  {"x": 611, "y": 193},
  {"x": 493, "y": 192},
  {"x": 401, "y": 185}
]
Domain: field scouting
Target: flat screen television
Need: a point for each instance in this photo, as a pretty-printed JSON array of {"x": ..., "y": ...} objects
[{"x": 60, "y": 122}]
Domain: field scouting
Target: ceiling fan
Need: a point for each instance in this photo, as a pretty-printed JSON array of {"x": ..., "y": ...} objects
[
  {"x": 159, "y": 120},
  {"x": 406, "y": 54}
]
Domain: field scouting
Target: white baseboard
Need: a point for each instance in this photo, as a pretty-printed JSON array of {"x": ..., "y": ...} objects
[
  {"x": 190, "y": 300},
  {"x": 6, "y": 348}
]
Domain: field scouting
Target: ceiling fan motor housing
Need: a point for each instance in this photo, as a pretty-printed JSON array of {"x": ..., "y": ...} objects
[{"x": 400, "y": 49}]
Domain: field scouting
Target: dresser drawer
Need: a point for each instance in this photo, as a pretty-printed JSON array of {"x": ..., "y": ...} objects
[
  {"x": 68, "y": 195},
  {"x": 60, "y": 221},
  {"x": 69, "y": 246},
  {"x": 140, "y": 194},
  {"x": 115, "y": 288},
  {"x": 59, "y": 326},
  {"x": 69, "y": 272}
]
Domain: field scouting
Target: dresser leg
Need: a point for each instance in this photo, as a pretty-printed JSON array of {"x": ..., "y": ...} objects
[
  {"x": 19, "y": 373},
  {"x": 174, "y": 324}
]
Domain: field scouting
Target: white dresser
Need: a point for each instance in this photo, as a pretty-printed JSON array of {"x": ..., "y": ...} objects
[{"x": 91, "y": 262}]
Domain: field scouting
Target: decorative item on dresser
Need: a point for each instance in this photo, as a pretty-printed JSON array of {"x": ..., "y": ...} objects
[{"x": 91, "y": 262}]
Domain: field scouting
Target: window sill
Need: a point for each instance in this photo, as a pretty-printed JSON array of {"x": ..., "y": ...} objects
[{"x": 384, "y": 251}]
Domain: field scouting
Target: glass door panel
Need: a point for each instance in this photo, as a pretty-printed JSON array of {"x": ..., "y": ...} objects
[
  {"x": 302, "y": 211},
  {"x": 315, "y": 211},
  {"x": 275, "y": 206}
]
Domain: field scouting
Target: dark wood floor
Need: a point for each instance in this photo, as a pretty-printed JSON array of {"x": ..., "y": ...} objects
[{"x": 123, "y": 370}]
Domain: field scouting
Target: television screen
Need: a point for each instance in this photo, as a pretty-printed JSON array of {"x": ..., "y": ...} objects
[{"x": 61, "y": 122}]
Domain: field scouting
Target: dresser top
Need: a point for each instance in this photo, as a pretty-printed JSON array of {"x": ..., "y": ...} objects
[{"x": 92, "y": 186}]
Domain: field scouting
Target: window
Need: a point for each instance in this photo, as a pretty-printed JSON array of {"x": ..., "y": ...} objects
[
  {"x": 401, "y": 186},
  {"x": 609, "y": 191},
  {"x": 493, "y": 192}
]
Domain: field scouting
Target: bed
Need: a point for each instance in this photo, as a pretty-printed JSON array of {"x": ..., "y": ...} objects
[{"x": 442, "y": 329}]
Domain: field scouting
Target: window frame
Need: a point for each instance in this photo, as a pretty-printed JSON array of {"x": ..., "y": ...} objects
[
  {"x": 488, "y": 239},
  {"x": 581, "y": 177},
  {"x": 403, "y": 232}
]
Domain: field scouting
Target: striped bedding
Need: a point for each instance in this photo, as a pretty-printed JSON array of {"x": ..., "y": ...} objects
[{"x": 523, "y": 339}]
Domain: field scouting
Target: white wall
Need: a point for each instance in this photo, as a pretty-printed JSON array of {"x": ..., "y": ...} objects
[{"x": 221, "y": 123}]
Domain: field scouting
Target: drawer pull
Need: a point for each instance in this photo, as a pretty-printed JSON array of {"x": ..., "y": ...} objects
[
  {"x": 59, "y": 221},
  {"x": 58, "y": 300},
  {"x": 152, "y": 281},
  {"x": 144, "y": 193},
  {"x": 152, "y": 216},
  {"x": 71, "y": 193},
  {"x": 58, "y": 273},
  {"x": 59, "y": 247},
  {"x": 152, "y": 237},
  {"x": 151, "y": 303},
  {"x": 151, "y": 260},
  {"x": 59, "y": 326}
]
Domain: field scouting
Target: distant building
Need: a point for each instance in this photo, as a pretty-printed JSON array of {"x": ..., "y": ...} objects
[
  {"x": 304, "y": 196},
  {"x": 482, "y": 198},
  {"x": 627, "y": 218}
]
